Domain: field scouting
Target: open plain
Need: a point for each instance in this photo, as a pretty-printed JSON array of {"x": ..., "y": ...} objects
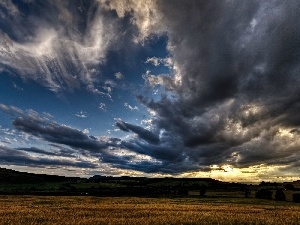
[{"x": 46, "y": 210}]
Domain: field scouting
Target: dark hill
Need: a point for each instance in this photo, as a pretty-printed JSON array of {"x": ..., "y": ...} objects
[
  {"x": 14, "y": 182},
  {"x": 9, "y": 176}
]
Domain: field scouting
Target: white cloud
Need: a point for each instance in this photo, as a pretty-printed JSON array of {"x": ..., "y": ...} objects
[
  {"x": 47, "y": 115},
  {"x": 132, "y": 108},
  {"x": 253, "y": 23},
  {"x": 59, "y": 58},
  {"x": 94, "y": 90},
  {"x": 148, "y": 123},
  {"x": 108, "y": 89},
  {"x": 110, "y": 83},
  {"x": 153, "y": 60},
  {"x": 168, "y": 62},
  {"x": 81, "y": 114},
  {"x": 145, "y": 14},
  {"x": 86, "y": 131},
  {"x": 161, "y": 79},
  {"x": 102, "y": 106},
  {"x": 119, "y": 76},
  {"x": 17, "y": 87}
]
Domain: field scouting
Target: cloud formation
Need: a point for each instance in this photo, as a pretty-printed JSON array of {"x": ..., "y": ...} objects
[
  {"x": 232, "y": 96},
  {"x": 61, "y": 49},
  {"x": 144, "y": 14},
  {"x": 59, "y": 134},
  {"x": 235, "y": 88},
  {"x": 81, "y": 114},
  {"x": 69, "y": 142},
  {"x": 119, "y": 75},
  {"x": 32, "y": 123},
  {"x": 141, "y": 132},
  {"x": 132, "y": 108},
  {"x": 16, "y": 157}
]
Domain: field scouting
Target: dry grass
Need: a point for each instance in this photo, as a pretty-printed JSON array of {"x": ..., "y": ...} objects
[{"x": 15, "y": 210}]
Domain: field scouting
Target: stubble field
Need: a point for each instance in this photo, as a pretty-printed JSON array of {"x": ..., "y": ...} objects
[{"x": 17, "y": 210}]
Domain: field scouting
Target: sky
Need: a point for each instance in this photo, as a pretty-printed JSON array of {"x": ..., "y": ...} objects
[{"x": 151, "y": 88}]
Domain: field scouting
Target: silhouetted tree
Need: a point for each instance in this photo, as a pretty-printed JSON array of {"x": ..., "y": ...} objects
[
  {"x": 202, "y": 190},
  {"x": 262, "y": 183},
  {"x": 296, "y": 197},
  {"x": 264, "y": 194},
  {"x": 289, "y": 187},
  {"x": 279, "y": 195}
]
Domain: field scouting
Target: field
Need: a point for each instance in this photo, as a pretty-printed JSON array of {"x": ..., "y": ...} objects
[{"x": 17, "y": 210}]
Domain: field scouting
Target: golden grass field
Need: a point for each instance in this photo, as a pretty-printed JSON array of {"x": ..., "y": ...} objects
[{"x": 22, "y": 210}]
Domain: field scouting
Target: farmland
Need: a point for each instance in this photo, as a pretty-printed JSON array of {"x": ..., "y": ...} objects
[
  {"x": 17, "y": 210},
  {"x": 42, "y": 199}
]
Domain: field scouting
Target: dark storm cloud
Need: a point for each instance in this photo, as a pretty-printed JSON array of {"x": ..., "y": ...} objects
[
  {"x": 37, "y": 150},
  {"x": 164, "y": 159},
  {"x": 235, "y": 95},
  {"x": 141, "y": 132},
  {"x": 11, "y": 155},
  {"x": 32, "y": 123},
  {"x": 64, "y": 152},
  {"x": 16, "y": 157},
  {"x": 161, "y": 168},
  {"x": 56, "y": 133},
  {"x": 162, "y": 152}
]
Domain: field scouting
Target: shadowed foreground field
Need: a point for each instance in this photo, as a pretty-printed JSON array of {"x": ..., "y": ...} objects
[{"x": 16, "y": 210}]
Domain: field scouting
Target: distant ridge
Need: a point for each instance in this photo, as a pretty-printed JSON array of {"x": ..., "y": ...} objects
[
  {"x": 22, "y": 183},
  {"x": 10, "y": 176},
  {"x": 16, "y": 177}
]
